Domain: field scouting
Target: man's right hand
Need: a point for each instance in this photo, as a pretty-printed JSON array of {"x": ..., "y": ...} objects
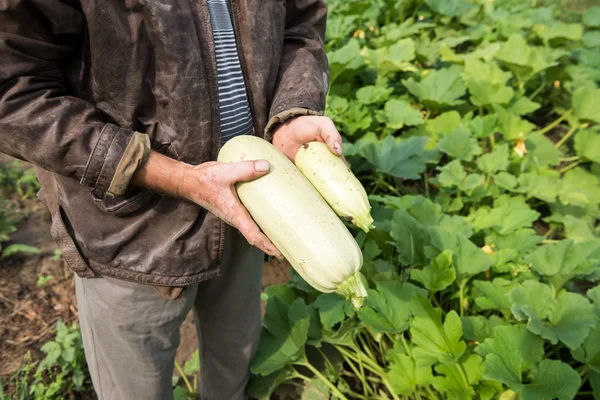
[{"x": 212, "y": 186}]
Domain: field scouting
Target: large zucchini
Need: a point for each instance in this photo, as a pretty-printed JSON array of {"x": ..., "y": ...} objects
[{"x": 295, "y": 217}]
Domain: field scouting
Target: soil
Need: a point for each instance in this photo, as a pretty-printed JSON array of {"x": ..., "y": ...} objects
[{"x": 29, "y": 312}]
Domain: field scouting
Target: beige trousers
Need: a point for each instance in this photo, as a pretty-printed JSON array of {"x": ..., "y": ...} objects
[{"x": 131, "y": 333}]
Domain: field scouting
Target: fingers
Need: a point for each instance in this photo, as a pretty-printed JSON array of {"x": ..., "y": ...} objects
[
  {"x": 330, "y": 135},
  {"x": 247, "y": 170}
]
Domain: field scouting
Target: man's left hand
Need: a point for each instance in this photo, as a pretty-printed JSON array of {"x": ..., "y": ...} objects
[{"x": 295, "y": 133}]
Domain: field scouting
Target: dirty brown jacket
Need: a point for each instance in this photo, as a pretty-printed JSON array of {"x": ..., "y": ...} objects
[{"x": 88, "y": 87}]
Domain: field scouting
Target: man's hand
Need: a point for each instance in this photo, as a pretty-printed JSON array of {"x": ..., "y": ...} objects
[
  {"x": 295, "y": 133},
  {"x": 210, "y": 185}
]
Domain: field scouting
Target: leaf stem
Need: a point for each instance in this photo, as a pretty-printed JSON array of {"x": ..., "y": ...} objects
[
  {"x": 569, "y": 159},
  {"x": 360, "y": 375},
  {"x": 461, "y": 292},
  {"x": 462, "y": 372},
  {"x": 431, "y": 393},
  {"x": 326, "y": 381},
  {"x": 426, "y": 177},
  {"x": 185, "y": 379},
  {"x": 492, "y": 141},
  {"x": 566, "y": 137},
  {"x": 366, "y": 347},
  {"x": 556, "y": 122},
  {"x": 569, "y": 167},
  {"x": 405, "y": 344}
]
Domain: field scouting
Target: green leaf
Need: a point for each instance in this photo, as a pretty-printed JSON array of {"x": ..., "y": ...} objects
[
  {"x": 479, "y": 328},
  {"x": 405, "y": 376},
  {"x": 523, "y": 59},
  {"x": 434, "y": 341},
  {"x": 262, "y": 387},
  {"x": 552, "y": 379},
  {"x": 586, "y": 101},
  {"x": 587, "y": 145},
  {"x": 451, "y": 8},
  {"x": 468, "y": 259},
  {"x": 509, "y": 354},
  {"x": 438, "y": 275},
  {"x": 492, "y": 295},
  {"x": 18, "y": 248},
  {"x": 394, "y": 58},
  {"x": 53, "y": 351},
  {"x": 285, "y": 293},
  {"x": 524, "y": 106},
  {"x": 483, "y": 126},
  {"x": 333, "y": 309},
  {"x": 451, "y": 174},
  {"x": 495, "y": 161},
  {"x": 283, "y": 336},
  {"x": 315, "y": 389},
  {"x": 594, "y": 295},
  {"x": 373, "y": 94},
  {"x": 543, "y": 187},
  {"x": 388, "y": 309},
  {"x": 508, "y": 215},
  {"x": 399, "y": 113},
  {"x": 410, "y": 238},
  {"x": 460, "y": 144},
  {"x": 451, "y": 382},
  {"x": 512, "y": 126},
  {"x": 402, "y": 159},
  {"x": 568, "y": 316},
  {"x": 443, "y": 87},
  {"x": 591, "y": 39},
  {"x": 559, "y": 31},
  {"x": 541, "y": 150},
  {"x": 505, "y": 180},
  {"x": 591, "y": 17},
  {"x": 179, "y": 393},
  {"x": 192, "y": 366},
  {"x": 487, "y": 83}
]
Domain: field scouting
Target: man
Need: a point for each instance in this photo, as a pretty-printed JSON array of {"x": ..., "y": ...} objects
[{"x": 123, "y": 105}]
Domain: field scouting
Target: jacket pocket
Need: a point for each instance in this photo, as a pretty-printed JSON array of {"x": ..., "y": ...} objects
[
  {"x": 69, "y": 249},
  {"x": 121, "y": 206}
]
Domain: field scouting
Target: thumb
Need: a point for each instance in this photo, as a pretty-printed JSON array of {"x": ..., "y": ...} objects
[{"x": 243, "y": 171}]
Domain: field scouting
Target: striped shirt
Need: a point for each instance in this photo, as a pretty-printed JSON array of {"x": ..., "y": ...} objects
[{"x": 233, "y": 100}]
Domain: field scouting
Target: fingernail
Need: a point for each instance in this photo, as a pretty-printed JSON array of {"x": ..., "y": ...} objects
[
  {"x": 338, "y": 148},
  {"x": 262, "y": 166}
]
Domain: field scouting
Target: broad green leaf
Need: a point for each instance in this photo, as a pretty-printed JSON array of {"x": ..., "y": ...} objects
[
  {"x": 524, "y": 241},
  {"x": 495, "y": 161},
  {"x": 552, "y": 379},
  {"x": 508, "y": 215},
  {"x": 492, "y": 295},
  {"x": 460, "y": 144},
  {"x": 577, "y": 229},
  {"x": 53, "y": 351},
  {"x": 479, "y": 328},
  {"x": 524, "y": 106},
  {"x": 451, "y": 8},
  {"x": 586, "y": 101},
  {"x": 563, "y": 260},
  {"x": 483, "y": 126},
  {"x": 509, "y": 354},
  {"x": 505, "y": 180},
  {"x": 512, "y": 126},
  {"x": 443, "y": 87},
  {"x": 438, "y": 275},
  {"x": 594, "y": 295},
  {"x": 451, "y": 174},
  {"x": 590, "y": 351},
  {"x": 283, "y": 335},
  {"x": 284, "y": 292},
  {"x": 192, "y": 366},
  {"x": 585, "y": 185},
  {"x": 559, "y": 31},
  {"x": 587, "y": 145},
  {"x": 425, "y": 211},
  {"x": 388, "y": 309},
  {"x": 179, "y": 394},
  {"x": 402, "y": 159},
  {"x": 451, "y": 383},
  {"x": 315, "y": 389},
  {"x": 399, "y": 113},
  {"x": 406, "y": 376},
  {"x": 434, "y": 341},
  {"x": 333, "y": 308},
  {"x": 456, "y": 224},
  {"x": 543, "y": 187},
  {"x": 591, "y": 39},
  {"x": 262, "y": 387},
  {"x": 373, "y": 94},
  {"x": 523, "y": 59},
  {"x": 566, "y": 318},
  {"x": 541, "y": 150},
  {"x": 487, "y": 83},
  {"x": 591, "y": 17},
  {"x": 468, "y": 259},
  {"x": 394, "y": 58},
  {"x": 410, "y": 238},
  {"x": 346, "y": 58}
]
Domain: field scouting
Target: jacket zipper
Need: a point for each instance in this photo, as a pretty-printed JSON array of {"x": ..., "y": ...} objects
[{"x": 241, "y": 55}]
